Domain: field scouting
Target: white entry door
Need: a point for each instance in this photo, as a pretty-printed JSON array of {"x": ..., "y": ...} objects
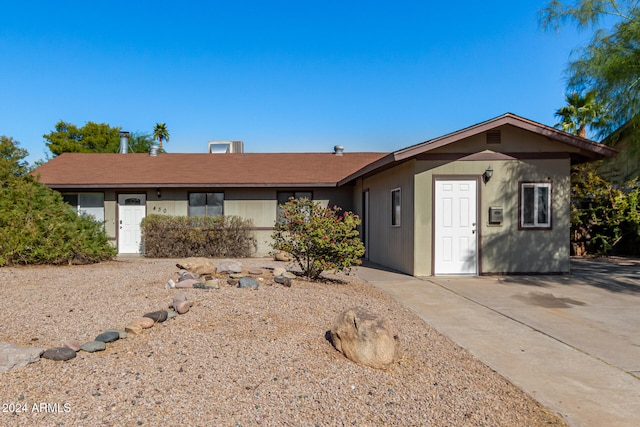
[
  {"x": 456, "y": 235},
  {"x": 131, "y": 210}
]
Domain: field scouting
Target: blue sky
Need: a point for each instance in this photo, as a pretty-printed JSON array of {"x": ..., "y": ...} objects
[{"x": 283, "y": 76}]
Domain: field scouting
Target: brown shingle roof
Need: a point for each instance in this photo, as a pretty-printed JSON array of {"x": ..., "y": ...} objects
[{"x": 104, "y": 170}]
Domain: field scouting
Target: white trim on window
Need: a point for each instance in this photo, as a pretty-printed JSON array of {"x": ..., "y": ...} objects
[{"x": 535, "y": 205}]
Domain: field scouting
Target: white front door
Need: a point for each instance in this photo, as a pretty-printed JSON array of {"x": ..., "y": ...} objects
[
  {"x": 131, "y": 210},
  {"x": 456, "y": 235}
]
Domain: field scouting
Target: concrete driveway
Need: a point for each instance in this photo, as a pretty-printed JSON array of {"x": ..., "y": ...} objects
[{"x": 572, "y": 342}]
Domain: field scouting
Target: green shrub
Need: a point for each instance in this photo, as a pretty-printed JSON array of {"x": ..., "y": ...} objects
[
  {"x": 319, "y": 238},
  {"x": 180, "y": 236},
  {"x": 37, "y": 227},
  {"x": 605, "y": 217}
]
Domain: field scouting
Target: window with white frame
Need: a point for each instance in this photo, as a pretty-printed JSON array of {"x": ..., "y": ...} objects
[
  {"x": 535, "y": 205},
  {"x": 396, "y": 203},
  {"x": 87, "y": 203},
  {"x": 206, "y": 204}
]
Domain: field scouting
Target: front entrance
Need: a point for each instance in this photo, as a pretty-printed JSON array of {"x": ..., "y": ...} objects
[
  {"x": 131, "y": 209},
  {"x": 455, "y": 228}
]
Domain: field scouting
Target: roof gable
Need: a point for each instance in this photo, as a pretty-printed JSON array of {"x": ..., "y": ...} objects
[{"x": 579, "y": 149}]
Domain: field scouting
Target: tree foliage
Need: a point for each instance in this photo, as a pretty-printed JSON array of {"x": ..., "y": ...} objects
[
  {"x": 93, "y": 138},
  {"x": 160, "y": 133},
  {"x": 580, "y": 113},
  {"x": 605, "y": 218},
  {"x": 319, "y": 238},
  {"x": 36, "y": 226},
  {"x": 610, "y": 64},
  {"x": 12, "y": 163}
]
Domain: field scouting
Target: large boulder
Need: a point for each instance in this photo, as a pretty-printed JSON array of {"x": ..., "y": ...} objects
[
  {"x": 365, "y": 338},
  {"x": 197, "y": 265},
  {"x": 15, "y": 356}
]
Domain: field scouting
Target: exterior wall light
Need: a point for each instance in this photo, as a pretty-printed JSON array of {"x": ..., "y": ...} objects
[
  {"x": 486, "y": 176},
  {"x": 159, "y": 193}
]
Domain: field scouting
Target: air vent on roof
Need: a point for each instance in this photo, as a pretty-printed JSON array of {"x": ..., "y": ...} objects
[
  {"x": 493, "y": 137},
  {"x": 338, "y": 150},
  {"x": 218, "y": 147}
]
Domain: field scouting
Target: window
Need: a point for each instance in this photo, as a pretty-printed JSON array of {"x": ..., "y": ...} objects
[
  {"x": 87, "y": 203},
  {"x": 395, "y": 207},
  {"x": 206, "y": 204},
  {"x": 284, "y": 196},
  {"x": 535, "y": 205}
]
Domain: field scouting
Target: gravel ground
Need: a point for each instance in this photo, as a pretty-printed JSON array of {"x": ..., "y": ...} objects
[{"x": 239, "y": 357}]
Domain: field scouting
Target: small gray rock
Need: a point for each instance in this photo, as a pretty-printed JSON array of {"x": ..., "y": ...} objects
[
  {"x": 283, "y": 281},
  {"x": 59, "y": 354},
  {"x": 255, "y": 271},
  {"x": 171, "y": 314},
  {"x": 248, "y": 282},
  {"x": 279, "y": 271},
  {"x": 93, "y": 346},
  {"x": 157, "y": 316},
  {"x": 121, "y": 333},
  {"x": 236, "y": 275},
  {"x": 106, "y": 337}
]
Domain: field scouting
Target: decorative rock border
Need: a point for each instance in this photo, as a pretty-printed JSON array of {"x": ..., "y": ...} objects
[{"x": 194, "y": 273}]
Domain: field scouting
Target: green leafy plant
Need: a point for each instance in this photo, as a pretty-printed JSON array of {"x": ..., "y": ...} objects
[
  {"x": 605, "y": 217},
  {"x": 318, "y": 238},
  {"x": 36, "y": 226}
]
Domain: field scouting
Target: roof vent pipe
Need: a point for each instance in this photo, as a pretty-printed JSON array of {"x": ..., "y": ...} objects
[
  {"x": 153, "y": 150},
  {"x": 124, "y": 142},
  {"x": 338, "y": 150}
]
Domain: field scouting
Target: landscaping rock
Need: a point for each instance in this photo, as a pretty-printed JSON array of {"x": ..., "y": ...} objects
[
  {"x": 109, "y": 336},
  {"x": 133, "y": 328},
  {"x": 157, "y": 316},
  {"x": 229, "y": 266},
  {"x": 289, "y": 274},
  {"x": 122, "y": 334},
  {"x": 72, "y": 344},
  {"x": 182, "y": 307},
  {"x": 187, "y": 276},
  {"x": 171, "y": 314},
  {"x": 209, "y": 284},
  {"x": 236, "y": 275},
  {"x": 93, "y": 346},
  {"x": 255, "y": 271},
  {"x": 59, "y": 354},
  {"x": 248, "y": 282},
  {"x": 365, "y": 338},
  {"x": 170, "y": 284},
  {"x": 197, "y": 265},
  {"x": 279, "y": 271},
  {"x": 144, "y": 322},
  {"x": 283, "y": 256},
  {"x": 283, "y": 281},
  {"x": 232, "y": 282},
  {"x": 15, "y": 356},
  {"x": 186, "y": 283}
]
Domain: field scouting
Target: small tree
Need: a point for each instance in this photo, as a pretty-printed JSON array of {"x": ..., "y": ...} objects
[{"x": 319, "y": 238}]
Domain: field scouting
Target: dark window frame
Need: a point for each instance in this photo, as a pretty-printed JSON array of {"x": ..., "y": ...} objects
[
  {"x": 396, "y": 207},
  {"x": 208, "y": 205}
]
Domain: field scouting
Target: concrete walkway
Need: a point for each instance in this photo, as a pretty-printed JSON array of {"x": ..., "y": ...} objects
[{"x": 571, "y": 342}]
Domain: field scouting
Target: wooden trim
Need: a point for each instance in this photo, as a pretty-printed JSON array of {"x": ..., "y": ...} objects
[{"x": 494, "y": 156}]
